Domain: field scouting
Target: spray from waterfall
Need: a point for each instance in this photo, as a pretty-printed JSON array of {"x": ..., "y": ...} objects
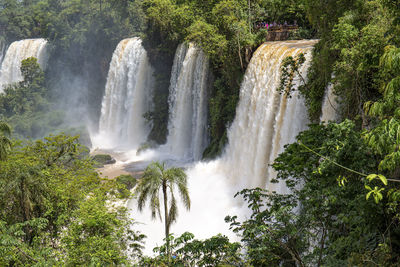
[
  {"x": 18, "y": 51},
  {"x": 188, "y": 103},
  {"x": 330, "y": 107},
  {"x": 128, "y": 96},
  {"x": 265, "y": 121}
]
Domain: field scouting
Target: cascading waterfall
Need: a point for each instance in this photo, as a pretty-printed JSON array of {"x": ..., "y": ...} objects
[
  {"x": 128, "y": 96},
  {"x": 329, "y": 111},
  {"x": 265, "y": 121},
  {"x": 18, "y": 51},
  {"x": 188, "y": 103}
]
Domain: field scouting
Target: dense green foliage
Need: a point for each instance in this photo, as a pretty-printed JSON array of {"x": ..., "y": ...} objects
[
  {"x": 187, "y": 251},
  {"x": 26, "y": 104},
  {"x": 343, "y": 208},
  {"x": 326, "y": 220},
  {"x": 56, "y": 210},
  {"x": 5, "y": 142}
]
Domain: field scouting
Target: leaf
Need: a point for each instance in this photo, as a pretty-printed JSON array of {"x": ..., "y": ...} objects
[
  {"x": 371, "y": 177},
  {"x": 383, "y": 179},
  {"x": 368, "y": 195}
]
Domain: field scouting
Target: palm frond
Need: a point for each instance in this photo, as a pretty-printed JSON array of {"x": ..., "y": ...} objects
[
  {"x": 142, "y": 190},
  {"x": 155, "y": 205},
  {"x": 175, "y": 174},
  {"x": 173, "y": 210},
  {"x": 184, "y": 193}
]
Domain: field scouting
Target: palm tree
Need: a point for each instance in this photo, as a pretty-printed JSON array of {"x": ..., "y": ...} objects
[
  {"x": 156, "y": 176},
  {"x": 5, "y": 142}
]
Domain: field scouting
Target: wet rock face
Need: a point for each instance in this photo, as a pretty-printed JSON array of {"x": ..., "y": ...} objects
[{"x": 278, "y": 35}]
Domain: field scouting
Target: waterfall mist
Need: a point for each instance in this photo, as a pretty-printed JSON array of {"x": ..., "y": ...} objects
[{"x": 329, "y": 110}]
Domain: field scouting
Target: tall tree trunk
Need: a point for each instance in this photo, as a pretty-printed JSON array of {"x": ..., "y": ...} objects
[{"x": 166, "y": 219}]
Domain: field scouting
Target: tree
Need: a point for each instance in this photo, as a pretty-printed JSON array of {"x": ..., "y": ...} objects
[
  {"x": 156, "y": 176},
  {"x": 321, "y": 223},
  {"x": 25, "y": 105},
  {"x": 5, "y": 143},
  {"x": 55, "y": 209},
  {"x": 214, "y": 251}
]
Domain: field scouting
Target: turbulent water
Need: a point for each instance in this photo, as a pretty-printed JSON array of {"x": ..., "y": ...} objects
[
  {"x": 128, "y": 96},
  {"x": 18, "y": 51},
  {"x": 187, "y": 136},
  {"x": 330, "y": 107},
  {"x": 265, "y": 121}
]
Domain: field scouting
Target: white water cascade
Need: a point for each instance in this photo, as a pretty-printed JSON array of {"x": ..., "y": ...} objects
[
  {"x": 128, "y": 95},
  {"x": 18, "y": 51},
  {"x": 187, "y": 136},
  {"x": 265, "y": 121},
  {"x": 329, "y": 111}
]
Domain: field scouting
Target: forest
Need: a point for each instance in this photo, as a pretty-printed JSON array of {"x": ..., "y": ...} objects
[{"x": 341, "y": 206}]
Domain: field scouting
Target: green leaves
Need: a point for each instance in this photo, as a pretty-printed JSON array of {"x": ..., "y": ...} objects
[
  {"x": 5, "y": 142},
  {"x": 379, "y": 176},
  {"x": 207, "y": 37},
  {"x": 385, "y": 140},
  {"x": 55, "y": 207},
  {"x": 289, "y": 71},
  {"x": 342, "y": 180},
  {"x": 376, "y": 192},
  {"x": 325, "y": 170},
  {"x": 214, "y": 251}
]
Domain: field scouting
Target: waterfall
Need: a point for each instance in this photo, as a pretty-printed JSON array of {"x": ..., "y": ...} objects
[
  {"x": 128, "y": 96},
  {"x": 329, "y": 111},
  {"x": 18, "y": 51},
  {"x": 187, "y": 136},
  {"x": 265, "y": 121}
]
